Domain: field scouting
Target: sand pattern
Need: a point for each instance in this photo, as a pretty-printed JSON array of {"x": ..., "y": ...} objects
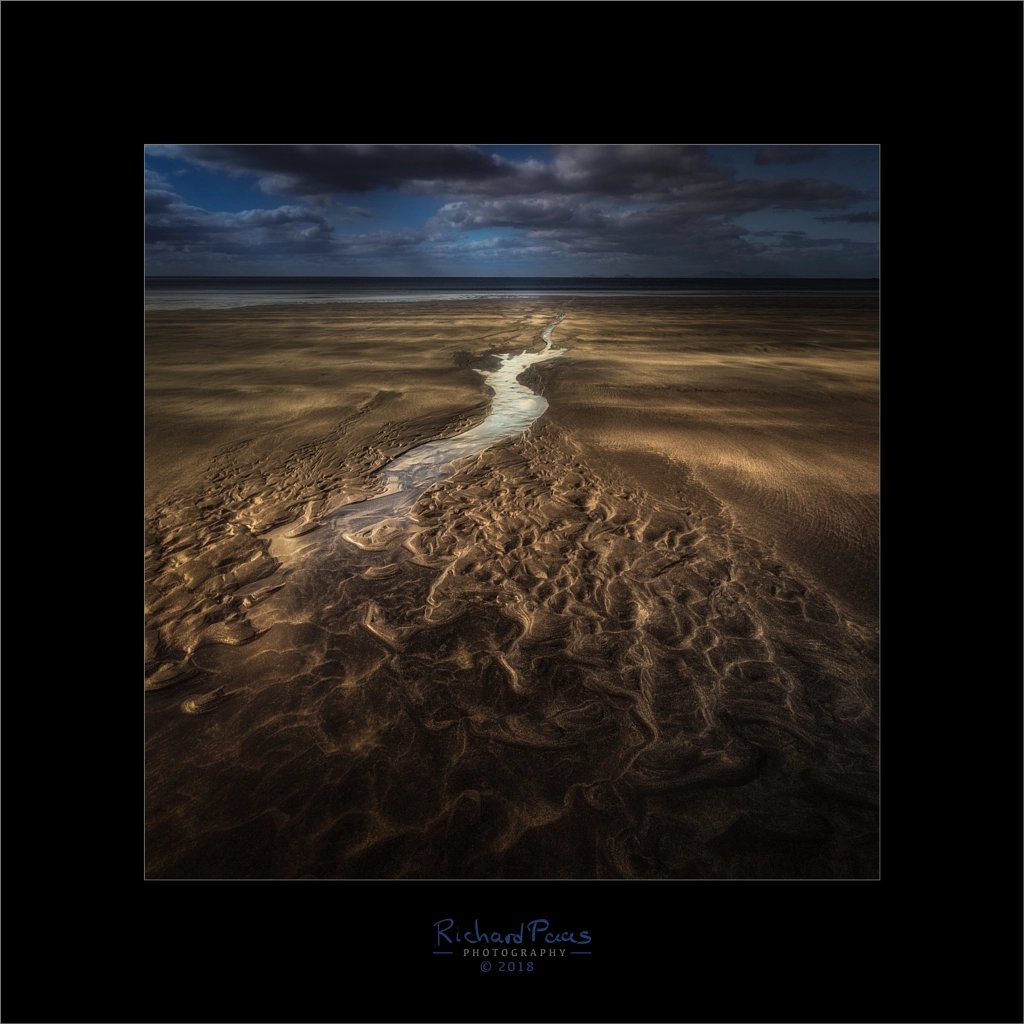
[{"x": 578, "y": 656}]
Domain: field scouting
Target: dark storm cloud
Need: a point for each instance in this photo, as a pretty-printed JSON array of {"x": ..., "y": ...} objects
[
  {"x": 159, "y": 201},
  {"x": 853, "y": 218},
  {"x": 789, "y": 154},
  {"x": 323, "y": 170},
  {"x": 646, "y": 209},
  {"x": 641, "y": 172},
  {"x": 638, "y": 174},
  {"x": 550, "y": 228},
  {"x": 635, "y": 173},
  {"x": 722, "y": 197},
  {"x": 568, "y": 226},
  {"x": 733, "y": 198},
  {"x": 627, "y": 173}
]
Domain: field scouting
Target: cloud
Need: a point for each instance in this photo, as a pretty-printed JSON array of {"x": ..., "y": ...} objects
[
  {"x": 517, "y": 212},
  {"x": 680, "y": 174},
  {"x": 348, "y": 214},
  {"x": 789, "y": 154},
  {"x": 325, "y": 170},
  {"x": 653, "y": 209},
  {"x": 801, "y": 241},
  {"x": 173, "y": 225},
  {"x": 644, "y": 174},
  {"x": 154, "y": 180},
  {"x": 853, "y": 218}
]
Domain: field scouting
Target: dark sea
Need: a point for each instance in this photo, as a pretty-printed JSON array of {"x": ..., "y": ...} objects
[{"x": 225, "y": 292}]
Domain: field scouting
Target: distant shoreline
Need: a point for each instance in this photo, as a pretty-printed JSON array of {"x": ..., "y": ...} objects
[
  {"x": 492, "y": 282},
  {"x": 220, "y": 292}
]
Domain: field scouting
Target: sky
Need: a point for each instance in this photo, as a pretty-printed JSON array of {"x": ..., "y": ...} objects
[{"x": 513, "y": 211}]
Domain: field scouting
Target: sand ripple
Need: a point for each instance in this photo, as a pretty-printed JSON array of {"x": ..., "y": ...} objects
[
  {"x": 545, "y": 672},
  {"x": 550, "y": 668}
]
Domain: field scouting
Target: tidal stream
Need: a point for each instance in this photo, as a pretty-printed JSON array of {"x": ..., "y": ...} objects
[{"x": 514, "y": 408}]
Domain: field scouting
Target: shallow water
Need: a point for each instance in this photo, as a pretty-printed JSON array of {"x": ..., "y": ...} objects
[{"x": 514, "y": 408}]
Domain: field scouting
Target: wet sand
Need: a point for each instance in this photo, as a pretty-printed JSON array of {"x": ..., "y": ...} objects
[{"x": 637, "y": 641}]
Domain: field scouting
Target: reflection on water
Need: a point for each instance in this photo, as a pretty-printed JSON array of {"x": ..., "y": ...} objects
[{"x": 514, "y": 408}]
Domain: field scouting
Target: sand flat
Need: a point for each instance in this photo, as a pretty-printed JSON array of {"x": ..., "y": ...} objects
[
  {"x": 637, "y": 641},
  {"x": 771, "y": 403}
]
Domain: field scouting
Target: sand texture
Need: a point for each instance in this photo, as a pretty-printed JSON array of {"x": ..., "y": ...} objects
[{"x": 638, "y": 640}]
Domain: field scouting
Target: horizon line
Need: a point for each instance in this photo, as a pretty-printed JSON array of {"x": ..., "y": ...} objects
[{"x": 521, "y": 277}]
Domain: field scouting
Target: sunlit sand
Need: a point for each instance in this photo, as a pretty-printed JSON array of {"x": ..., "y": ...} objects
[{"x": 632, "y": 634}]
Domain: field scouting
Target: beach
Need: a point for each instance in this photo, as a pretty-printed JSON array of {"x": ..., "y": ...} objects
[{"x": 637, "y": 640}]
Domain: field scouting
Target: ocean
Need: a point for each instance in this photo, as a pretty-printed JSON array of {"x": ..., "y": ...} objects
[{"x": 226, "y": 292}]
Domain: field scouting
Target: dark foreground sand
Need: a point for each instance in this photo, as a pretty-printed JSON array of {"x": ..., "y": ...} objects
[{"x": 637, "y": 641}]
